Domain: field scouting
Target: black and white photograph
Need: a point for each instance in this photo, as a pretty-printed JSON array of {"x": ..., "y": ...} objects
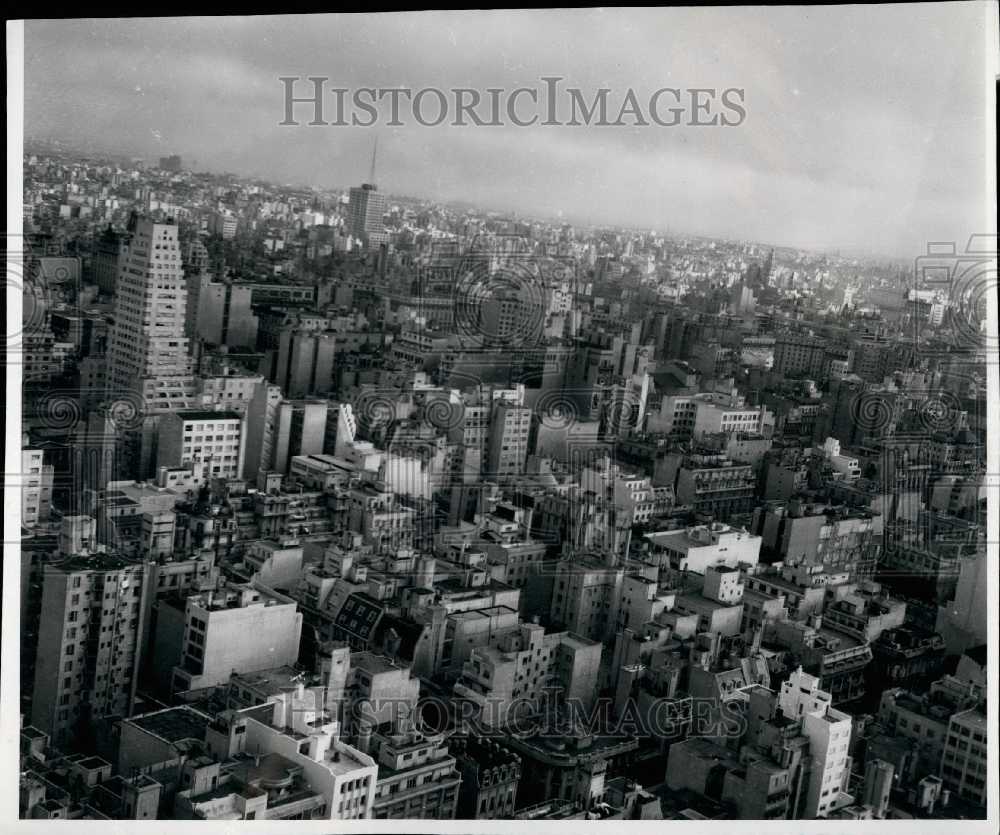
[{"x": 468, "y": 421}]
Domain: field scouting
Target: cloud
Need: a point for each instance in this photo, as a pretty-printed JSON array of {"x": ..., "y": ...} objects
[{"x": 864, "y": 125}]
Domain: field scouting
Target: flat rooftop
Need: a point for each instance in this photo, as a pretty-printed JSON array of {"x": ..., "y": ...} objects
[
  {"x": 974, "y": 717},
  {"x": 274, "y": 681},
  {"x": 576, "y": 641},
  {"x": 198, "y": 414},
  {"x": 372, "y": 663},
  {"x": 173, "y": 724}
]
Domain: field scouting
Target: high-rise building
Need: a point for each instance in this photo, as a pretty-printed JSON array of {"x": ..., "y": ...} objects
[
  {"x": 208, "y": 635},
  {"x": 216, "y": 438},
  {"x": 506, "y": 318},
  {"x": 829, "y": 733},
  {"x": 964, "y": 763},
  {"x": 365, "y": 212},
  {"x": 586, "y": 596},
  {"x": 88, "y": 644},
  {"x": 305, "y": 361},
  {"x": 105, "y": 264},
  {"x": 508, "y": 436},
  {"x": 220, "y": 312},
  {"x": 36, "y": 492},
  {"x": 797, "y": 354},
  {"x": 878, "y": 786},
  {"x": 499, "y": 681},
  {"x": 300, "y": 429},
  {"x": 223, "y": 224},
  {"x": 261, "y": 425},
  {"x": 149, "y": 352},
  {"x": 196, "y": 259}
]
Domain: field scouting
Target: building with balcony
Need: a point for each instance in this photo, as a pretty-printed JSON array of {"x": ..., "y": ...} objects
[
  {"x": 89, "y": 650},
  {"x": 417, "y": 777},
  {"x": 517, "y": 675},
  {"x": 964, "y": 761},
  {"x": 490, "y": 775}
]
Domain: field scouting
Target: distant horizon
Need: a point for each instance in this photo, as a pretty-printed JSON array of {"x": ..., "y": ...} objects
[
  {"x": 852, "y": 139},
  {"x": 846, "y": 252}
]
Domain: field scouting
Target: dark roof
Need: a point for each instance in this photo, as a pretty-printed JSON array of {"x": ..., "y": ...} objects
[
  {"x": 174, "y": 724},
  {"x": 409, "y": 633},
  {"x": 977, "y": 654},
  {"x": 359, "y": 615}
]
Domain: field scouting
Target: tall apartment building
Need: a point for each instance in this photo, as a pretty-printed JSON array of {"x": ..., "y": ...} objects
[
  {"x": 223, "y": 224},
  {"x": 872, "y": 358},
  {"x": 365, "y": 211},
  {"x": 799, "y": 354},
  {"x": 963, "y": 766},
  {"x": 829, "y": 733},
  {"x": 105, "y": 264},
  {"x": 88, "y": 644},
  {"x": 227, "y": 388},
  {"x": 262, "y": 412},
  {"x": 211, "y": 633},
  {"x": 299, "y": 429},
  {"x": 305, "y": 361},
  {"x": 714, "y": 485},
  {"x": 196, "y": 259},
  {"x": 149, "y": 351},
  {"x": 217, "y": 439},
  {"x": 798, "y": 533},
  {"x": 417, "y": 778},
  {"x": 632, "y": 494},
  {"x": 508, "y": 440},
  {"x": 220, "y": 312},
  {"x": 586, "y": 596},
  {"x": 525, "y": 668},
  {"x": 366, "y": 691},
  {"x": 506, "y": 318},
  {"x": 36, "y": 488}
]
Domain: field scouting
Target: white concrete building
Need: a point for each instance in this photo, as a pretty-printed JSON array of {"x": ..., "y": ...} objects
[
  {"x": 695, "y": 548},
  {"x": 829, "y": 733},
  {"x": 148, "y": 350},
  {"x": 216, "y": 439},
  {"x": 36, "y": 487}
]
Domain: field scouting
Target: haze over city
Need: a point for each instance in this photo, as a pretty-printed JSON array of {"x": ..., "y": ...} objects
[{"x": 847, "y": 125}]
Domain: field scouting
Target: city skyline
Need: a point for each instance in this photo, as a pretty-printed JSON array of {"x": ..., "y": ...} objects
[
  {"x": 553, "y": 416},
  {"x": 850, "y": 167}
]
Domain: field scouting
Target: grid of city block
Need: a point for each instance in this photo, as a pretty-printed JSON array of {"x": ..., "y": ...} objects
[{"x": 343, "y": 504}]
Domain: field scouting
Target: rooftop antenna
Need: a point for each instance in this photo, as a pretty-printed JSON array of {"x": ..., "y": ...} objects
[{"x": 371, "y": 175}]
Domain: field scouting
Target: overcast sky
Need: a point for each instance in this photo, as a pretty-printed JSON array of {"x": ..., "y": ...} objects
[{"x": 865, "y": 126}]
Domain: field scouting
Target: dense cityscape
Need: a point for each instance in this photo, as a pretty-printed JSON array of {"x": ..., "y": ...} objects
[{"x": 344, "y": 505}]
